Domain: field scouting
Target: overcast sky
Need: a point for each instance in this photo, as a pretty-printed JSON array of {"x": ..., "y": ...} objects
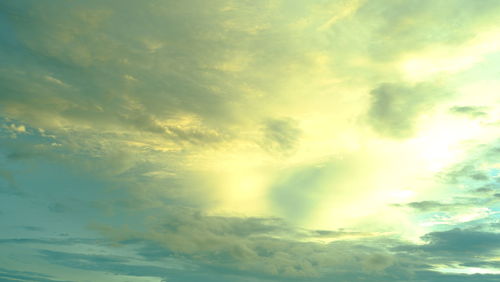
[{"x": 250, "y": 141}]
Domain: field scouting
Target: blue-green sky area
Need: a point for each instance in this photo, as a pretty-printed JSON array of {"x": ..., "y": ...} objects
[{"x": 249, "y": 141}]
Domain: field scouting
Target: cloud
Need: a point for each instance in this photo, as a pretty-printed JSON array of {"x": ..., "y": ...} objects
[
  {"x": 59, "y": 208},
  {"x": 445, "y": 255},
  {"x": 377, "y": 262},
  {"x": 259, "y": 245},
  {"x": 437, "y": 276},
  {"x": 265, "y": 249},
  {"x": 102, "y": 263},
  {"x": 426, "y": 206},
  {"x": 477, "y": 170},
  {"x": 453, "y": 247},
  {"x": 14, "y": 275},
  {"x": 215, "y": 133},
  {"x": 49, "y": 241},
  {"x": 489, "y": 264},
  {"x": 281, "y": 135},
  {"x": 17, "y": 128},
  {"x": 80, "y": 97},
  {"x": 470, "y": 111},
  {"x": 405, "y": 27},
  {"x": 33, "y": 228},
  {"x": 458, "y": 242},
  {"x": 395, "y": 108}
]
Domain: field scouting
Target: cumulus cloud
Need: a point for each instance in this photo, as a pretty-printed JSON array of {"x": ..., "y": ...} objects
[
  {"x": 281, "y": 252},
  {"x": 267, "y": 246}
]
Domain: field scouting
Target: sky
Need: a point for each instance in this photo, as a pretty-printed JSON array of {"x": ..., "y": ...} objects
[{"x": 249, "y": 141}]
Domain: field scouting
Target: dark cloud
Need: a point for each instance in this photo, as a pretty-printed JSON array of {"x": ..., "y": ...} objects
[
  {"x": 281, "y": 135},
  {"x": 111, "y": 87},
  {"x": 74, "y": 155},
  {"x": 14, "y": 275},
  {"x": 263, "y": 246},
  {"x": 427, "y": 206},
  {"x": 466, "y": 171},
  {"x": 479, "y": 176},
  {"x": 33, "y": 228},
  {"x": 457, "y": 245},
  {"x": 376, "y": 259},
  {"x": 487, "y": 264},
  {"x": 458, "y": 241},
  {"x": 59, "y": 208},
  {"x": 464, "y": 247},
  {"x": 449, "y": 277},
  {"x": 471, "y": 111},
  {"x": 395, "y": 108},
  {"x": 51, "y": 241},
  {"x": 484, "y": 190},
  {"x": 74, "y": 75},
  {"x": 109, "y": 264}
]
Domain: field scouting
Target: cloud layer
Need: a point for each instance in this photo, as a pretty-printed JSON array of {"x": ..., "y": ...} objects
[{"x": 249, "y": 141}]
